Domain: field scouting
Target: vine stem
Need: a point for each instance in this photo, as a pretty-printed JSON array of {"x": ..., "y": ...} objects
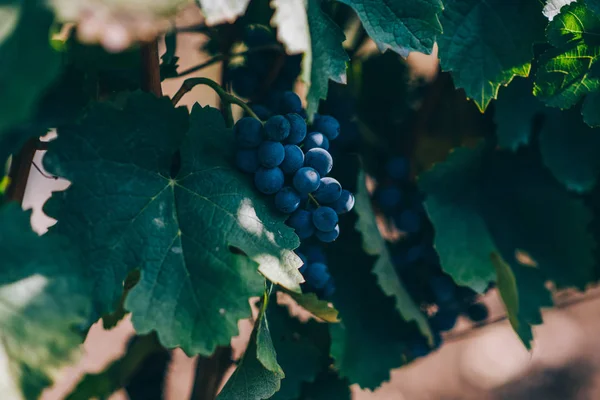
[
  {"x": 151, "y": 68},
  {"x": 312, "y": 198},
  {"x": 225, "y": 96},
  {"x": 19, "y": 171}
]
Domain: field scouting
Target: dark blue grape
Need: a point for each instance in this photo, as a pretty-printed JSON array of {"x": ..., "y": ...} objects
[
  {"x": 398, "y": 168},
  {"x": 314, "y": 253},
  {"x": 290, "y": 103},
  {"x": 261, "y": 111},
  {"x": 317, "y": 275},
  {"x": 444, "y": 320},
  {"x": 320, "y": 160},
  {"x": 418, "y": 348},
  {"x": 344, "y": 204},
  {"x": 325, "y": 219},
  {"x": 287, "y": 200},
  {"x": 408, "y": 221},
  {"x": 297, "y": 128},
  {"x": 314, "y": 140},
  {"x": 244, "y": 81},
  {"x": 247, "y": 160},
  {"x": 389, "y": 198},
  {"x": 306, "y": 180},
  {"x": 293, "y": 160},
  {"x": 268, "y": 180},
  {"x": 328, "y": 237},
  {"x": 477, "y": 312},
  {"x": 301, "y": 222},
  {"x": 270, "y": 154},
  {"x": 304, "y": 263},
  {"x": 329, "y": 289},
  {"x": 443, "y": 288},
  {"x": 327, "y": 125},
  {"x": 415, "y": 253},
  {"x": 329, "y": 190},
  {"x": 277, "y": 128},
  {"x": 248, "y": 132}
]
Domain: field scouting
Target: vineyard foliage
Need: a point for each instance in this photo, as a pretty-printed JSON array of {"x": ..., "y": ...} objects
[{"x": 484, "y": 177}]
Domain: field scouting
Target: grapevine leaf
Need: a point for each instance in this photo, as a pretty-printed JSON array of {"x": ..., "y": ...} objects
[
  {"x": 319, "y": 308},
  {"x": 328, "y": 386},
  {"x": 515, "y": 112},
  {"x": 326, "y": 59},
  {"x": 593, "y": 5},
  {"x": 570, "y": 149},
  {"x": 487, "y": 43},
  {"x": 553, "y": 7},
  {"x": 374, "y": 244},
  {"x": 398, "y": 25},
  {"x": 221, "y": 11},
  {"x": 44, "y": 299},
  {"x": 371, "y": 328},
  {"x": 526, "y": 284},
  {"x": 126, "y": 212},
  {"x": 258, "y": 375},
  {"x": 563, "y": 76},
  {"x": 24, "y": 46},
  {"x": 292, "y": 25},
  {"x": 302, "y": 350},
  {"x": 483, "y": 202}
]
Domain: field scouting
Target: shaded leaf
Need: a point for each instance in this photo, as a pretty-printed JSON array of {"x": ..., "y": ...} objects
[
  {"x": 328, "y": 386},
  {"x": 319, "y": 308},
  {"x": 125, "y": 211},
  {"x": 399, "y": 25},
  {"x": 487, "y": 43}
]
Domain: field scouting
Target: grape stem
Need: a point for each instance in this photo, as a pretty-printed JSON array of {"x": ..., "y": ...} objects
[
  {"x": 225, "y": 96},
  {"x": 312, "y": 198}
]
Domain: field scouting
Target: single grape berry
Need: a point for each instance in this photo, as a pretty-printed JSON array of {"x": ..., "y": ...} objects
[
  {"x": 389, "y": 198},
  {"x": 290, "y": 103},
  {"x": 317, "y": 275},
  {"x": 398, "y": 168},
  {"x": 408, "y": 221},
  {"x": 477, "y": 312},
  {"x": 315, "y": 140},
  {"x": 320, "y": 160},
  {"x": 329, "y": 190},
  {"x": 306, "y": 180},
  {"x": 248, "y": 132},
  {"x": 293, "y": 160},
  {"x": 328, "y": 237},
  {"x": 270, "y": 154},
  {"x": 314, "y": 253},
  {"x": 325, "y": 219},
  {"x": 247, "y": 160},
  {"x": 287, "y": 200},
  {"x": 327, "y": 125},
  {"x": 297, "y": 128},
  {"x": 268, "y": 180},
  {"x": 344, "y": 204},
  {"x": 443, "y": 288},
  {"x": 261, "y": 111},
  {"x": 277, "y": 128},
  {"x": 301, "y": 222}
]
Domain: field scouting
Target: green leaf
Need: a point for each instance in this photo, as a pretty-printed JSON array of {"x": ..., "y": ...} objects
[
  {"x": 570, "y": 149},
  {"x": 302, "y": 350},
  {"x": 326, "y": 59},
  {"x": 400, "y": 25},
  {"x": 487, "y": 43},
  {"x": 483, "y": 202},
  {"x": 125, "y": 212},
  {"x": 593, "y": 5},
  {"x": 328, "y": 386},
  {"x": 291, "y": 22},
  {"x": 220, "y": 11},
  {"x": 563, "y": 76},
  {"x": 44, "y": 300},
  {"x": 374, "y": 244},
  {"x": 258, "y": 376},
  {"x": 372, "y": 337},
  {"x": 29, "y": 64},
  {"x": 523, "y": 293},
  {"x": 319, "y": 308},
  {"x": 515, "y": 112}
]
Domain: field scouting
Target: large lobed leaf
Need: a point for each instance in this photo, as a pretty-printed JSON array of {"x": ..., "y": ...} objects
[
  {"x": 126, "y": 212},
  {"x": 399, "y": 25},
  {"x": 44, "y": 298},
  {"x": 488, "y": 42},
  {"x": 484, "y": 202}
]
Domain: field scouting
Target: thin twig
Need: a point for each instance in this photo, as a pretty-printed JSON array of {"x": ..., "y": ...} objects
[
  {"x": 19, "y": 171},
  {"x": 151, "y": 68},
  {"x": 45, "y": 175},
  {"x": 190, "y": 83}
]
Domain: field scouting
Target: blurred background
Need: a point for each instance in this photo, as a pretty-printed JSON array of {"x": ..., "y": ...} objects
[{"x": 476, "y": 361}]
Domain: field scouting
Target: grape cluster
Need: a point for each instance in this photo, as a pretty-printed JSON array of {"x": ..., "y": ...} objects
[
  {"x": 293, "y": 166},
  {"x": 315, "y": 271}
]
